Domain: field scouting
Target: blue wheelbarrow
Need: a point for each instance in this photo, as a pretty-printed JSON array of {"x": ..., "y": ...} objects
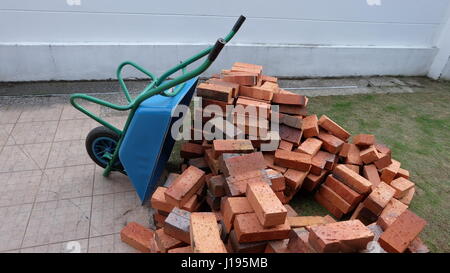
[{"x": 142, "y": 148}]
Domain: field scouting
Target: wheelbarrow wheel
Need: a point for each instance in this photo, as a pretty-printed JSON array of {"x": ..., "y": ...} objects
[{"x": 101, "y": 143}]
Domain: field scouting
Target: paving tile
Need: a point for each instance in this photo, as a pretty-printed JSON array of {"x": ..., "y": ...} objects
[
  {"x": 66, "y": 182},
  {"x": 33, "y": 132},
  {"x": 19, "y": 187},
  {"x": 58, "y": 221},
  {"x": 9, "y": 113},
  {"x": 111, "y": 212},
  {"x": 78, "y": 246},
  {"x": 14, "y": 158},
  {"x": 70, "y": 112},
  {"x": 41, "y": 112},
  {"x": 109, "y": 244},
  {"x": 74, "y": 129},
  {"x": 38, "y": 153},
  {"x": 68, "y": 153},
  {"x": 13, "y": 222},
  {"x": 5, "y": 130},
  {"x": 115, "y": 182}
]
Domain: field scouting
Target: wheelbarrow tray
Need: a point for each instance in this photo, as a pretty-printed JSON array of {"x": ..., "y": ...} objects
[{"x": 148, "y": 142}]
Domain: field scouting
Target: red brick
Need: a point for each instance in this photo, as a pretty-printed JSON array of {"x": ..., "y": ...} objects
[
  {"x": 205, "y": 234},
  {"x": 335, "y": 199},
  {"x": 310, "y": 146},
  {"x": 392, "y": 210},
  {"x": 282, "y": 197},
  {"x": 216, "y": 185},
  {"x": 256, "y": 92},
  {"x": 278, "y": 182},
  {"x": 137, "y": 237},
  {"x": 290, "y": 134},
  {"x": 213, "y": 163},
  {"x": 159, "y": 218},
  {"x": 239, "y": 66},
  {"x": 237, "y": 185},
  {"x": 293, "y": 160},
  {"x": 364, "y": 140},
  {"x": 234, "y": 86},
  {"x": 191, "y": 150},
  {"x": 268, "y": 208},
  {"x": 184, "y": 249},
  {"x": 312, "y": 180},
  {"x": 401, "y": 186},
  {"x": 353, "y": 154},
  {"x": 363, "y": 214},
  {"x": 266, "y": 78},
  {"x": 177, "y": 225},
  {"x": 399, "y": 235},
  {"x": 284, "y": 145},
  {"x": 328, "y": 205},
  {"x": 215, "y": 92},
  {"x": 388, "y": 173},
  {"x": 354, "y": 168},
  {"x": 233, "y": 206},
  {"x": 345, "y": 236},
  {"x": 370, "y": 172},
  {"x": 383, "y": 161},
  {"x": 332, "y": 127},
  {"x": 242, "y": 78},
  {"x": 330, "y": 143},
  {"x": 158, "y": 200},
  {"x": 221, "y": 146},
  {"x": 290, "y": 211},
  {"x": 185, "y": 186},
  {"x": 200, "y": 163},
  {"x": 259, "y": 107},
  {"x": 236, "y": 165},
  {"x": 349, "y": 195},
  {"x": 352, "y": 179},
  {"x": 408, "y": 196},
  {"x": 383, "y": 149},
  {"x": 402, "y": 173},
  {"x": 310, "y": 126},
  {"x": 291, "y": 121},
  {"x": 222, "y": 104},
  {"x": 249, "y": 229},
  {"x": 323, "y": 161},
  {"x": 379, "y": 198},
  {"x": 369, "y": 155},
  {"x": 298, "y": 241},
  {"x": 192, "y": 204},
  {"x": 294, "y": 180},
  {"x": 293, "y": 109},
  {"x": 166, "y": 242},
  {"x": 289, "y": 98},
  {"x": 269, "y": 158}
]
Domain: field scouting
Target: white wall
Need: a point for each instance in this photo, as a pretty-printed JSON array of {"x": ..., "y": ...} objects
[{"x": 49, "y": 39}]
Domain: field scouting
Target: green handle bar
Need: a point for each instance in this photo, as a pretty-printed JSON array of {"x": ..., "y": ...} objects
[{"x": 157, "y": 85}]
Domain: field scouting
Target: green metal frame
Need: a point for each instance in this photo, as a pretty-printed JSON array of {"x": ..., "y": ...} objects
[{"x": 157, "y": 86}]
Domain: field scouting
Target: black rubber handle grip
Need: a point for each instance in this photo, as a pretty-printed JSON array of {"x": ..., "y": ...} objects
[
  {"x": 239, "y": 23},
  {"x": 216, "y": 49}
]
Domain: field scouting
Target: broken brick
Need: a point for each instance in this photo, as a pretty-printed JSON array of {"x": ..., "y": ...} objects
[
  {"x": 291, "y": 121},
  {"x": 408, "y": 196},
  {"x": 332, "y": 127},
  {"x": 294, "y": 180},
  {"x": 383, "y": 161},
  {"x": 392, "y": 210},
  {"x": 216, "y": 185},
  {"x": 370, "y": 172},
  {"x": 177, "y": 225},
  {"x": 388, "y": 173},
  {"x": 268, "y": 208},
  {"x": 270, "y": 158},
  {"x": 364, "y": 140},
  {"x": 323, "y": 161},
  {"x": 191, "y": 150},
  {"x": 401, "y": 186},
  {"x": 379, "y": 198},
  {"x": 399, "y": 235},
  {"x": 205, "y": 234},
  {"x": 278, "y": 182},
  {"x": 369, "y": 155},
  {"x": 312, "y": 180},
  {"x": 402, "y": 173},
  {"x": 166, "y": 242}
]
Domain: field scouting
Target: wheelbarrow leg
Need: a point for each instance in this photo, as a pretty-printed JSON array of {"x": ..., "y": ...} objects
[{"x": 115, "y": 157}]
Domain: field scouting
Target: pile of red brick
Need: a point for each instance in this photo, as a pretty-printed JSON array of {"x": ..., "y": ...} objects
[{"x": 231, "y": 197}]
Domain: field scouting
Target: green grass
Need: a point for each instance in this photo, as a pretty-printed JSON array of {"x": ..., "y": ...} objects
[{"x": 416, "y": 126}]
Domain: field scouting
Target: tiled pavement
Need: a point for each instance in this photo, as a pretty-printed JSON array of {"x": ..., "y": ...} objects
[{"x": 53, "y": 198}]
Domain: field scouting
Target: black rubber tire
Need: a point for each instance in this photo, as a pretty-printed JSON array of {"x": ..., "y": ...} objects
[{"x": 95, "y": 133}]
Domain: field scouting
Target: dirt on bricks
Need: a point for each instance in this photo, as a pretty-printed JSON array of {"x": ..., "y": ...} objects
[{"x": 232, "y": 195}]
